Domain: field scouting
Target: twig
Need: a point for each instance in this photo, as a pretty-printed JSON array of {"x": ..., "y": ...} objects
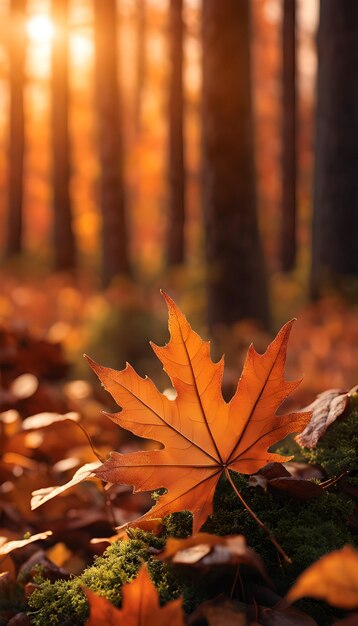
[{"x": 333, "y": 481}]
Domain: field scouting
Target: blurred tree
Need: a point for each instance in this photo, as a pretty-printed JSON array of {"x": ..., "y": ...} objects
[
  {"x": 176, "y": 213},
  {"x": 17, "y": 50},
  {"x": 335, "y": 210},
  {"x": 236, "y": 276},
  {"x": 115, "y": 258},
  {"x": 64, "y": 241},
  {"x": 141, "y": 54},
  {"x": 288, "y": 215}
]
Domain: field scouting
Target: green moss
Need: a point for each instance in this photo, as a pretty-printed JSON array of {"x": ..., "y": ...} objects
[
  {"x": 305, "y": 529},
  {"x": 63, "y": 601}
]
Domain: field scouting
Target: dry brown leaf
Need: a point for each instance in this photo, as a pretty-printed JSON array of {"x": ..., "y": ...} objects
[
  {"x": 154, "y": 525},
  {"x": 8, "y": 546},
  {"x": 40, "y": 496},
  {"x": 283, "y": 616},
  {"x": 206, "y": 550},
  {"x": 350, "y": 620},
  {"x": 220, "y": 612},
  {"x": 333, "y": 578},
  {"x": 327, "y": 407},
  {"x": 276, "y": 476}
]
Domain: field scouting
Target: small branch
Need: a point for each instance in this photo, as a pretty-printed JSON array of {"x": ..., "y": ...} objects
[
  {"x": 333, "y": 481},
  {"x": 257, "y": 520}
]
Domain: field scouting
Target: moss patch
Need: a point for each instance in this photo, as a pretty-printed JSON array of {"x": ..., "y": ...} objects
[{"x": 305, "y": 529}]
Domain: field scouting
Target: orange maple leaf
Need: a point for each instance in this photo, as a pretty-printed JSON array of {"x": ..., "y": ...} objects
[
  {"x": 140, "y": 605},
  {"x": 203, "y": 436},
  {"x": 333, "y": 578}
]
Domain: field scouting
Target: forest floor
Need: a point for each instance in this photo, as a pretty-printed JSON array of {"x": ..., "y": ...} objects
[{"x": 50, "y": 403}]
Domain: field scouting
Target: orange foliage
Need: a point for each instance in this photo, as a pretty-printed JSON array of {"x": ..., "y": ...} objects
[
  {"x": 333, "y": 578},
  {"x": 203, "y": 436},
  {"x": 140, "y": 605}
]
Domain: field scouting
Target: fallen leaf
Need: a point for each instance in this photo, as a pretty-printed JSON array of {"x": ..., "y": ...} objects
[
  {"x": 350, "y": 620},
  {"x": 333, "y": 578},
  {"x": 219, "y": 612},
  {"x": 154, "y": 525},
  {"x": 42, "y": 420},
  {"x": 140, "y": 605},
  {"x": 297, "y": 487},
  {"x": 203, "y": 436},
  {"x": 40, "y": 496},
  {"x": 21, "y": 619},
  {"x": 327, "y": 407},
  {"x": 285, "y": 616},
  {"x": 8, "y": 546},
  {"x": 277, "y": 477},
  {"x": 204, "y": 549}
]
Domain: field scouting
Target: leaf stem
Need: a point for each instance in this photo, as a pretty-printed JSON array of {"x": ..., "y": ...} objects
[
  {"x": 279, "y": 549},
  {"x": 97, "y": 454}
]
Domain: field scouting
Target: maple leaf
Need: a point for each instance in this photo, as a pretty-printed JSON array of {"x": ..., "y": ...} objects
[
  {"x": 203, "y": 436},
  {"x": 140, "y": 605},
  {"x": 334, "y": 578}
]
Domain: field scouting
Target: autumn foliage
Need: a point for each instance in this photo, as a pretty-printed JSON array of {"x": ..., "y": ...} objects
[{"x": 203, "y": 438}]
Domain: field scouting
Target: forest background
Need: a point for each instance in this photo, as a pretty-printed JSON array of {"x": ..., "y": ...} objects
[
  {"x": 143, "y": 146},
  {"x": 207, "y": 148}
]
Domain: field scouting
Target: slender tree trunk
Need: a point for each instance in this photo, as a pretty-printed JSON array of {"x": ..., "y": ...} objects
[
  {"x": 141, "y": 71},
  {"x": 175, "y": 253},
  {"x": 335, "y": 210},
  {"x": 289, "y": 159},
  {"x": 17, "y": 50},
  {"x": 236, "y": 276},
  {"x": 112, "y": 194},
  {"x": 63, "y": 236}
]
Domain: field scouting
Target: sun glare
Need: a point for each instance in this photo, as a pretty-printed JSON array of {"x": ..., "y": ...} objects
[
  {"x": 40, "y": 29},
  {"x": 80, "y": 48}
]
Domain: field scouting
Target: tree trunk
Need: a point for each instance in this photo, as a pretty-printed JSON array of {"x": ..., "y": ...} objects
[
  {"x": 335, "y": 210},
  {"x": 63, "y": 237},
  {"x": 288, "y": 215},
  {"x": 17, "y": 49},
  {"x": 141, "y": 35},
  {"x": 176, "y": 207},
  {"x": 115, "y": 259},
  {"x": 236, "y": 276}
]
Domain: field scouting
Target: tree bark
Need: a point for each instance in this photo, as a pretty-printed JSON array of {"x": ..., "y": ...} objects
[
  {"x": 335, "y": 210},
  {"x": 289, "y": 150},
  {"x": 115, "y": 258},
  {"x": 236, "y": 276},
  {"x": 17, "y": 50},
  {"x": 175, "y": 254},
  {"x": 63, "y": 236},
  {"x": 141, "y": 69}
]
